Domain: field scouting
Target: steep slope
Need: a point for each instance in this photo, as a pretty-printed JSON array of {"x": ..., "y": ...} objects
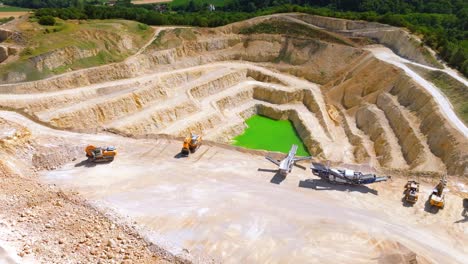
[
  {"x": 68, "y": 45},
  {"x": 210, "y": 80}
]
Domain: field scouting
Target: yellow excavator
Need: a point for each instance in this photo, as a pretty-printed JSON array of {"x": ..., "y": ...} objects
[
  {"x": 191, "y": 144},
  {"x": 100, "y": 154},
  {"x": 437, "y": 197}
]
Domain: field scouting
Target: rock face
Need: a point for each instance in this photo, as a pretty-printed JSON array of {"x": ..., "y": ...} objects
[
  {"x": 399, "y": 40},
  {"x": 61, "y": 57},
  {"x": 204, "y": 81},
  {"x": 3, "y": 53},
  {"x": 5, "y": 34},
  {"x": 7, "y": 50}
]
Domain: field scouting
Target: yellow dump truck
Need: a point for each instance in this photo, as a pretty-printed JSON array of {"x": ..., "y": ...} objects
[
  {"x": 100, "y": 154},
  {"x": 437, "y": 197}
]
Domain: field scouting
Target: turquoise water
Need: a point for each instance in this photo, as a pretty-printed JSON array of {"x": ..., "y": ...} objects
[{"x": 268, "y": 134}]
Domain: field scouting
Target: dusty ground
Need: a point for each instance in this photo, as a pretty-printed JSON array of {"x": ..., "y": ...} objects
[
  {"x": 226, "y": 205},
  {"x": 40, "y": 223},
  {"x": 12, "y": 14},
  {"x": 222, "y": 203},
  {"x": 210, "y": 80}
]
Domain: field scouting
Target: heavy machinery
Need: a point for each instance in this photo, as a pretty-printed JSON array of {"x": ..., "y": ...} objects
[
  {"x": 345, "y": 176},
  {"x": 411, "y": 192},
  {"x": 100, "y": 154},
  {"x": 191, "y": 144},
  {"x": 437, "y": 197},
  {"x": 285, "y": 165}
]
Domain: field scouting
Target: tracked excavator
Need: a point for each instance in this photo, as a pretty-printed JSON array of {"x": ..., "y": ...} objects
[
  {"x": 100, "y": 154},
  {"x": 191, "y": 144},
  {"x": 437, "y": 198},
  {"x": 411, "y": 192}
]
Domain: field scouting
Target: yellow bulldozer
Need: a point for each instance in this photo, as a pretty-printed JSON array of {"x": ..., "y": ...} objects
[
  {"x": 191, "y": 144},
  {"x": 411, "y": 192},
  {"x": 437, "y": 198},
  {"x": 100, "y": 154}
]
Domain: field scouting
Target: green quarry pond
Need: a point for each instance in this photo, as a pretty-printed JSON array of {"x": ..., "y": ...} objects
[{"x": 269, "y": 134}]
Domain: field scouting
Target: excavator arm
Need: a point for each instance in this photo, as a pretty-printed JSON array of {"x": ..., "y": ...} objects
[
  {"x": 275, "y": 161},
  {"x": 302, "y": 158}
]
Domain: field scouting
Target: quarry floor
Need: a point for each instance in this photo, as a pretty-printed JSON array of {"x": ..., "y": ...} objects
[
  {"x": 225, "y": 204},
  {"x": 230, "y": 206}
]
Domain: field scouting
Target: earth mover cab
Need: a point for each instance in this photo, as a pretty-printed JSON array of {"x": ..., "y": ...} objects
[
  {"x": 411, "y": 192},
  {"x": 191, "y": 144},
  {"x": 100, "y": 154},
  {"x": 437, "y": 197}
]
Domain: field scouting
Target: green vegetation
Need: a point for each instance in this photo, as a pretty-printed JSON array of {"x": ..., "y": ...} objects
[
  {"x": 47, "y": 21},
  {"x": 13, "y": 9},
  {"x": 442, "y": 23},
  {"x": 291, "y": 29},
  {"x": 101, "y": 38},
  {"x": 52, "y": 3},
  {"x": 5, "y": 20},
  {"x": 268, "y": 134},
  {"x": 196, "y": 5},
  {"x": 444, "y": 29},
  {"x": 455, "y": 91}
]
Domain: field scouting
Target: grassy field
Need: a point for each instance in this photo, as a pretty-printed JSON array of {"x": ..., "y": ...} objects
[
  {"x": 292, "y": 29},
  {"x": 13, "y": 9},
  {"x": 456, "y": 92},
  {"x": 177, "y": 3},
  {"x": 103, "y": 38},
  {"x": 12, "y": 14}
]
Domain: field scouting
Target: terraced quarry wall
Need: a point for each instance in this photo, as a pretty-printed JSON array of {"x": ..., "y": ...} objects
[
  {"x": 67, "y": 46},
  {"x": 209, "y": 80}
]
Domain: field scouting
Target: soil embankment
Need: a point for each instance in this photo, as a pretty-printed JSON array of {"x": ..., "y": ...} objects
[{"x": 351, "y": 104}]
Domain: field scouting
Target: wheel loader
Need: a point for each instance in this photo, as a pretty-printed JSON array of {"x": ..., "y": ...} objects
[
  {"x": 437, "y": 198},
  {"x": 191, "y": 144},
  {"x": 411, "y": 192},
  {"x": 100, "y": 154}
]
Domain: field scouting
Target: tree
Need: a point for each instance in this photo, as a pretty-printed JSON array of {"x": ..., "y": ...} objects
[
  {"x": 78, "y": 4},
  {"x": 251, "y": 7},
  {"x": 47, "y": 20}
]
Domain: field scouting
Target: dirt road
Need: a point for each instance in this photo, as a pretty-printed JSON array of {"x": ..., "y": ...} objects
[
  {"x": 13, "y": 14},
  {"x": 387, "y": 55},
  {"x": 230, "y": 205},
  {"x": 218, "y": 203},
  {"x": 225, "y": 204}
]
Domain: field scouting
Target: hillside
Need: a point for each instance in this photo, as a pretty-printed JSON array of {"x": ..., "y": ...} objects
[
  {"x": 42, "y": 51},
  {"x": 361, "y": 96}
]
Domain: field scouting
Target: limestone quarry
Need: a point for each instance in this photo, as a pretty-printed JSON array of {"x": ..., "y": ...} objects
[{"x": 348, "y": 87}]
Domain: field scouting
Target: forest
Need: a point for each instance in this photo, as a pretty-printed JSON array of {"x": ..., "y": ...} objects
[{"x": 442, "y": 23}]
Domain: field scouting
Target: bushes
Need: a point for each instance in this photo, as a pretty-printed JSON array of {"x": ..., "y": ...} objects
[
  {"x": 445, "y": 33},
  {"x": 5, "y": 20},
  {"x": 47, "y": 20},
  {"x": 142, "y": 27}
]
